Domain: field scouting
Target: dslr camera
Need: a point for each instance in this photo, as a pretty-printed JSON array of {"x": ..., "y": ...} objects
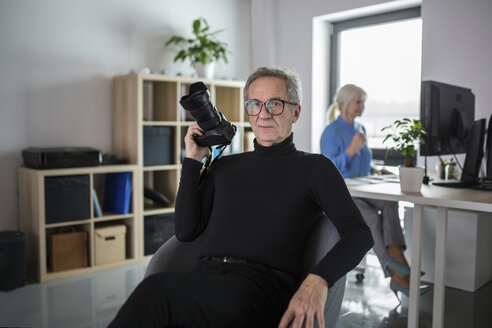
[{"x": 217, "y": 130}]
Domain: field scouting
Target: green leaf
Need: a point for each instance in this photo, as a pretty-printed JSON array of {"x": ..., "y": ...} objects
[
  {"x": 196, "y": 25},
  {"x": 174, "y": 40}
]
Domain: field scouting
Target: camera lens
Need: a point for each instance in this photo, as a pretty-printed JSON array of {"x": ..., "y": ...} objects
[
  {"x": 198, "y": 103},
  {"x": 218, "y": 131}
]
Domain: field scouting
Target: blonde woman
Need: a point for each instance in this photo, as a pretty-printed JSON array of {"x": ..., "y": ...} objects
[{"x": 344, "y": 142}]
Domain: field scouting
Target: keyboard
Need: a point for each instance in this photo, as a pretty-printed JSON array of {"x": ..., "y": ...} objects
[
  {"x": 483, "y": 184},
  {"x": 384, "y": 177},
  {"x": 372, "y": 179},
  {"x": 453, "y": 183}
]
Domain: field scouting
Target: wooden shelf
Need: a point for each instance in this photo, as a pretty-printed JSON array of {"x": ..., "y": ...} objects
[
  {"x": 34, "y": 223},
  {"x": 147, "y": 102},
  {"x": 152, "y": 100}
]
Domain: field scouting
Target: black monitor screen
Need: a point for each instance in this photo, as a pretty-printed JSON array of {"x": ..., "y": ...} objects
[
  {"x": 447, "y": 113},
  {"x": 474, "y": 154},
  {"x": 488, "y": 151}
]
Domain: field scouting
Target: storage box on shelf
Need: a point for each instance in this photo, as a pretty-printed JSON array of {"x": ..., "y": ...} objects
[
  {"x": 157, "y": 230},
  {"x": 67, "y": 250},
  {"x": 110, "y": 243},
  {"x": 149, "y": 127},
  {"x": 60, "y": 210}
]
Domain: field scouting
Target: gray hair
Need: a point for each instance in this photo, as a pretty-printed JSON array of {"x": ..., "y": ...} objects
[
  {"x": 291, "y": 79},
  {"x": 346, "y": 94}
]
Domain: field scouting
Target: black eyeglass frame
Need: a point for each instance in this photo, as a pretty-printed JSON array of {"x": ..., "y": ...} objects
[{"x": 264, "y": 104}]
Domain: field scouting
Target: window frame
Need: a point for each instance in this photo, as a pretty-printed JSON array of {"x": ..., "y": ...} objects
[{"x": 366, "y": 21}]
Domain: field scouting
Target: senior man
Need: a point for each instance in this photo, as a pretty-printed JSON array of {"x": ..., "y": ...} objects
[{"x": 253, "y": 213}]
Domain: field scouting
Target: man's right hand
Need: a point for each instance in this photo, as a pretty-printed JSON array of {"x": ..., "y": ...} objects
[
  {"x": 307, "y": 305},
  {"x": 194, "y": 151},
  {"x": 357, "y": 143}
]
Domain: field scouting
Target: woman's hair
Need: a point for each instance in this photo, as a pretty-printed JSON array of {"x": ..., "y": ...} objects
[
  {"x": 346, "y": 94},
  {"x": 291, "y": 79}
]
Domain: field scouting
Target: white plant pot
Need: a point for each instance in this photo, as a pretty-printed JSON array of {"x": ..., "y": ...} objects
[
  {"x": 411, "y": 178},
  {"x": 206, "y": 71}
]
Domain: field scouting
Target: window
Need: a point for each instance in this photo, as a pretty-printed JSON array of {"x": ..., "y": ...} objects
[{"x": 381, "y": 54}]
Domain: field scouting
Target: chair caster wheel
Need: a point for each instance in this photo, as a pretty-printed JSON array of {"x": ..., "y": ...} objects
[{"x": 359, "y": 277}]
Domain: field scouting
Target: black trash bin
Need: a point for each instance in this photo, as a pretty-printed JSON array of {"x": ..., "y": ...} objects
[{"x": 12, "y": 259}]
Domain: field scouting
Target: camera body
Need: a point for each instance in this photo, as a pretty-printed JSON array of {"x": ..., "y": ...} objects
[{"x": 217, "y": 130}]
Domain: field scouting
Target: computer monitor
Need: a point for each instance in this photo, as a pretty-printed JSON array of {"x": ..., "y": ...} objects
[
  {"x": 488, "y": 152},
  {"x": 474, "y": 153},
  {"x": 447, "y": 113},
  {"x": 473, "y": 159},
  {"x": 486, "y": 182},
  {"x": 382, "y": 156}
]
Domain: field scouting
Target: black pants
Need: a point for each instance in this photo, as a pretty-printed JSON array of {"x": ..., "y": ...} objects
[{"x": 214, "y": 294}]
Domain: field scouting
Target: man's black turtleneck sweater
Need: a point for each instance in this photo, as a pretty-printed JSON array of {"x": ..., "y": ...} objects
[{"x": 261, "y": 205}]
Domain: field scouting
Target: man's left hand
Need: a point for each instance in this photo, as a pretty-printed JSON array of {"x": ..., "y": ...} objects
[{"x": 307, "y": 303}]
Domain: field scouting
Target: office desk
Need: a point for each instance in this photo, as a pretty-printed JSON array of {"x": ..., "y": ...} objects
[{"x": 443, "y": 198}]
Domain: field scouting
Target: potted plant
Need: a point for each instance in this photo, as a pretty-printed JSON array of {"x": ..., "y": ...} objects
[
  {"x": 406, "y": 134},
  {"x": 203, "y": 50}
]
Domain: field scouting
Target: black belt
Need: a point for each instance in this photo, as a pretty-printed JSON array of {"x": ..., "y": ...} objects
[
  {"x": 226, "y": 259},
  {"x": 230, "y": 259}
]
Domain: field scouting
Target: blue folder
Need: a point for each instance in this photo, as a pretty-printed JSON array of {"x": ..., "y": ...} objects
[{"x": 117, "y": 192}]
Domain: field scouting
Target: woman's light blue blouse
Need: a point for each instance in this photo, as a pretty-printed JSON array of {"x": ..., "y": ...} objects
[{"x": 336, "y": 139}]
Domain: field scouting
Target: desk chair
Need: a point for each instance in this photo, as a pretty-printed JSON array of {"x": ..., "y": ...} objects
[{"x": 176, "y": 256}]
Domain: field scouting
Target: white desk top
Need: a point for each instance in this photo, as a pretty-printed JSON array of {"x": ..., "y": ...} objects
[
  {"x": 454, "y": 198},
  {"x": 430, "y": 195}
]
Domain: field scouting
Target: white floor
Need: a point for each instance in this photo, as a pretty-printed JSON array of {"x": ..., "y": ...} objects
[{"x": 92, "y": 300}]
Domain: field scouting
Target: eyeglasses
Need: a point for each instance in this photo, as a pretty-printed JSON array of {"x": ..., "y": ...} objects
[{"x": 274, "y": 106}]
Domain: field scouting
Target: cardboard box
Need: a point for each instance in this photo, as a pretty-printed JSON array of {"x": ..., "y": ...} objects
[
  {"x": 68, "y": 251},
  {"x": 110, "y": 244}
]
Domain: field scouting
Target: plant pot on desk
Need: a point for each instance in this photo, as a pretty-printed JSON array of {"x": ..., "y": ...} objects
[{"x": 411, "y": 178}]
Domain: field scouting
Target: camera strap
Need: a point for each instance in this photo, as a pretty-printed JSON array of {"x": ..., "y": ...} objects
[{"x": 210, "y": 161}]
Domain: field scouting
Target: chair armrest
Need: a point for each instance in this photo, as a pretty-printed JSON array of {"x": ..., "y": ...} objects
[{"x": 174, "y": 256}]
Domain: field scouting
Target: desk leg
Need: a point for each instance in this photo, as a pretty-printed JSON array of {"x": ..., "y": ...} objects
[
  {"x": 439, "y": 268},
  {"x": 413, "y": 306}
]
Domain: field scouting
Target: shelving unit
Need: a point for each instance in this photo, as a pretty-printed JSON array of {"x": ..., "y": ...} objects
[
  {"x": 142, "y": 102},
  {"x": 37, "y": 227},
  {"x": 151, "y": 100}
]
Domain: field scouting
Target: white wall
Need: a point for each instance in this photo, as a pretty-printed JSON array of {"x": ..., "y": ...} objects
[
  {"x": 456, "y": 45},
  {"x": 457, "y": 49},
  {"x": 293, "y": 45},
  {"x": 57, "y": 59}
]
